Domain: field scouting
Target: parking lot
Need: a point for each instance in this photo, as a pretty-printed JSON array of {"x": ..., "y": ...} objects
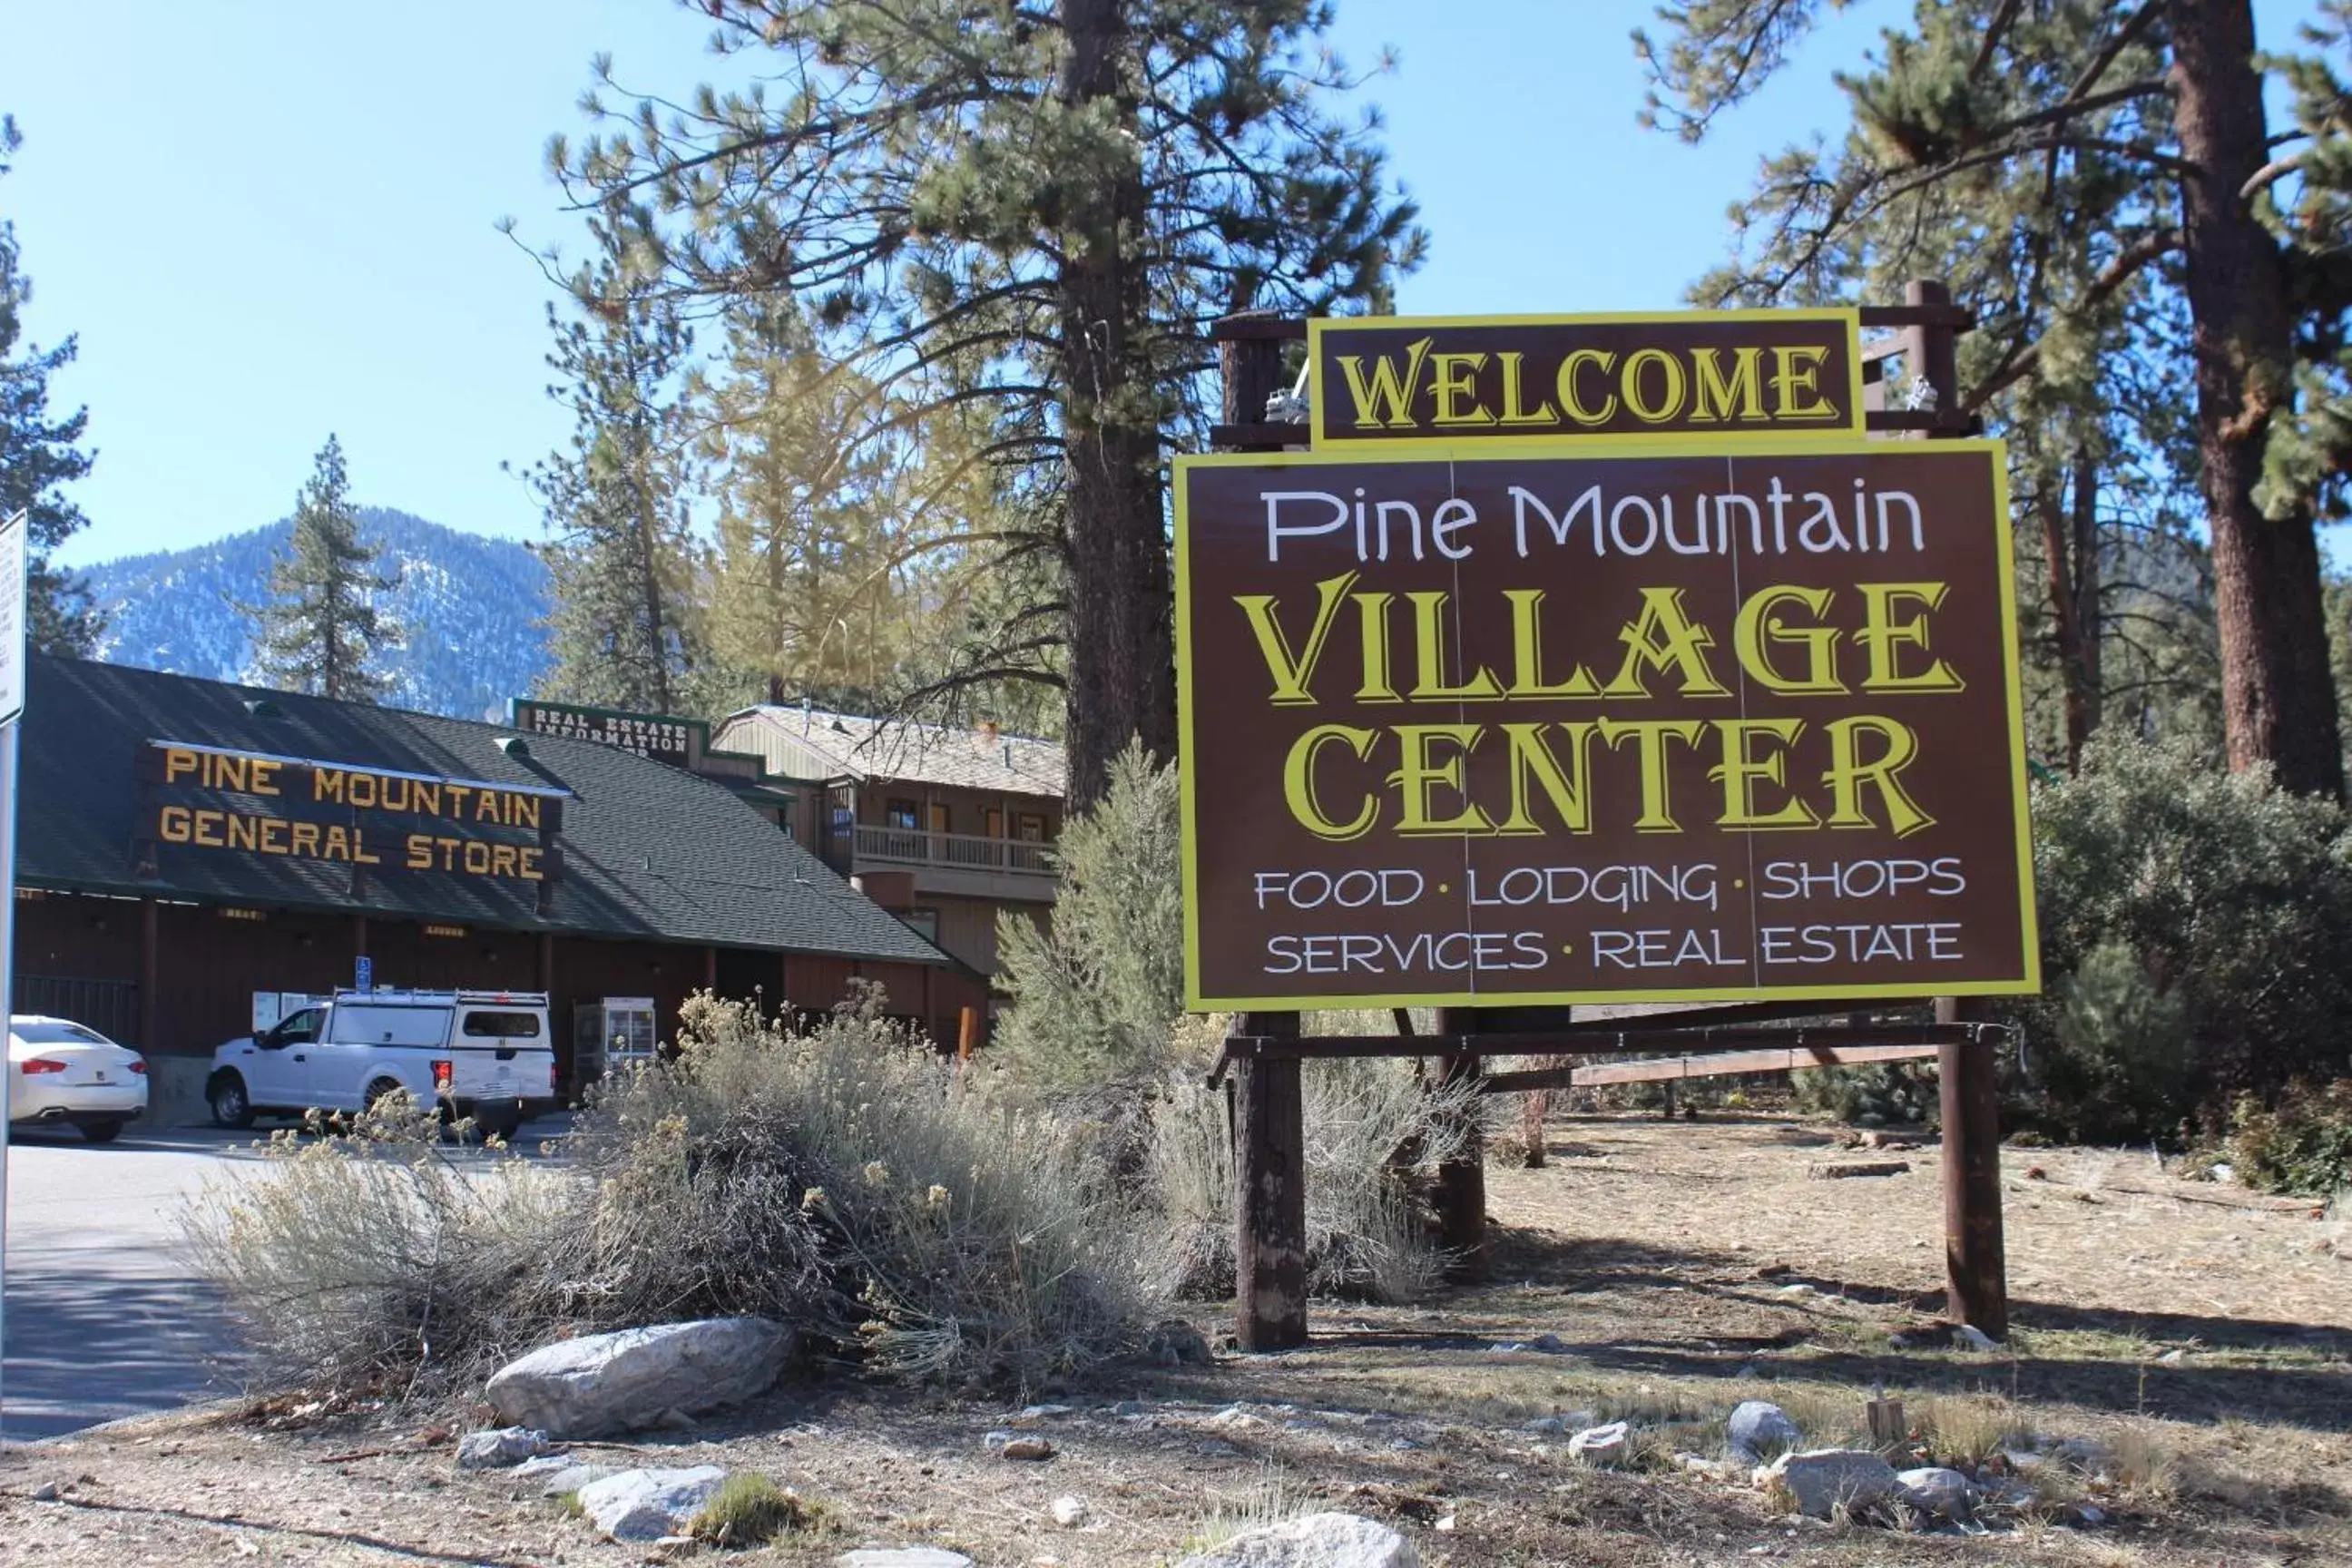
[{"x": 104, "y": 1319}]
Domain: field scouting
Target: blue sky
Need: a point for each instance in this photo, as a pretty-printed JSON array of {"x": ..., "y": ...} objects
[{"x": 270, "y": 219}]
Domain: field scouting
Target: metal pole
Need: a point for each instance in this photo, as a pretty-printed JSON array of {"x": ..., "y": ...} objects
[{"x": 8, "y": 738}]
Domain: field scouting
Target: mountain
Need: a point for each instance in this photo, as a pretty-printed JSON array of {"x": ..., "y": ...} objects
[{"x": 467, "y": 607}]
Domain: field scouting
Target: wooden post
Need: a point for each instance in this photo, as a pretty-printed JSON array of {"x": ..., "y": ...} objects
[
  {"x": 1976, "y": 1267},
  {"x": 967, "y": 1033},
  {"x": 1269, "y": 1193},
  {"x": 1975, "y": 1264},
  {"x": 1462, "y": 1181},
  {"x": 150, "y": 965},
  {"x": 710, "y": 969}
]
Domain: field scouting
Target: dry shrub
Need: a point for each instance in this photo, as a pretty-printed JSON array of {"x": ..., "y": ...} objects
[
  {"x": 843, "y": 1180},
  {"x": 1966, "y": 1432},
  {"x": 1374, "y": 1134}
]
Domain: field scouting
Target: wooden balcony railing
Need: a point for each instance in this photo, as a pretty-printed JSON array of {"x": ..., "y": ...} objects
[{"x": 956, "y": 851}]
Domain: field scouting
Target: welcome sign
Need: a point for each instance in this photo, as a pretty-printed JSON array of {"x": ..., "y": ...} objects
[{"x": 1495, "y": 728}]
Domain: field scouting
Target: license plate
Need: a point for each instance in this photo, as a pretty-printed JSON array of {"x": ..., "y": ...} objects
[{"x": 101, "y": 1075}]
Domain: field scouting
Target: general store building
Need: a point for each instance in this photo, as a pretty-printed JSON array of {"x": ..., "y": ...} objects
[{"x": 185, "y": 845}]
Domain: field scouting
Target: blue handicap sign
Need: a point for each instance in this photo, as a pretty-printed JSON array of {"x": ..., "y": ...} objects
[{"x": 363, "y": 974}]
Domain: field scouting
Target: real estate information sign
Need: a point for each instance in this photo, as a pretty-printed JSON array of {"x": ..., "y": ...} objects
[{"x": 1497, "y": 726}]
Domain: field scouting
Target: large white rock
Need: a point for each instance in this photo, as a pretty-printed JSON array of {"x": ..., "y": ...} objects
[
  {"x": 619, "y": 1382},
  {"x": 1945, "y": 1493},
  {"x": 646, "y": 1505},
  {"x": 1317, "y": 1541},
  {"x": 1824, "y": 1479},
  {"x": 902, "y": 1557},
  {"x": 1760, "y": 1431}
]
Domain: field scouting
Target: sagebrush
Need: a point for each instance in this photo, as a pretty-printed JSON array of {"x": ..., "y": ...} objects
[{"x": 843, "y": 1179}]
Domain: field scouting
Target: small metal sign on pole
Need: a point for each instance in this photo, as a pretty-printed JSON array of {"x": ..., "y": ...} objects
[{"x": 13, "y": 556}]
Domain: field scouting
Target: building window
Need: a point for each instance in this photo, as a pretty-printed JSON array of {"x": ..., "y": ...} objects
[
  {"x": 926, "y": 924},
  {"x": 995, "y": 817},
  {"x": 939, "y": 816},
  {"x": 1030, "y": 827},
  {"x": 900, "y": 813}
]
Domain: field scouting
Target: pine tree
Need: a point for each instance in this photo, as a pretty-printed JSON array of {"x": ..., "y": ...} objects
[
  {"x": 620, "y": 554},
  {"x": 38, "y": 455},
  {"x": 2153, "y": 113},
  {"x": 1030, "y": 212},
  {"x": 320, "y": 630}
]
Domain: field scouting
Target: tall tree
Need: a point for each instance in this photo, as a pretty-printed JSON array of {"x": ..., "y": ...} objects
[
  {"x": 621, "y": 552},
  {"x": 320, "y": 629},
  {"x": 2159, "y": 105},
  {"x": 39, "y": 456},
  {"x": 1031, "y": 210}
]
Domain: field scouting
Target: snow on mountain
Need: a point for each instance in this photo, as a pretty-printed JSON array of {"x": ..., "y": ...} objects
[{"x": 469, "y": 608}]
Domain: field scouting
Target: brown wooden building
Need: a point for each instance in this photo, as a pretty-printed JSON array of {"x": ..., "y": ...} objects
[
  {"x": 185, "y": 844},
  {"x": 949, "y": 828}
]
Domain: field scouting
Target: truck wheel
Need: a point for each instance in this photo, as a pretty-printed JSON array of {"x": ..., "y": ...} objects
[
  {"x": 502, "y": 1123},
  {"x": 101, "y": 1131},
  {"x": 379, "y": 1091},
  {"x": 230, "y": 1106}
]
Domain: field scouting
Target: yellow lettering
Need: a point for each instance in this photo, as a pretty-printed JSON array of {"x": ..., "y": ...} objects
[
  {"x": 172, "y": 821},
  {"x": 1419, "y": 778},
  {"x": 1759, "y": 623},
  {"x": 1848, "y": 774},
  {"x": 327, "y": 784},
  {"x": 1883, "y": 634},
  {"x": 177, "y": 761},
  {"x": 527, "y": 860},
  {"x": 1533, "y": 758},
  {"x": 420, "y": 852},
  {"x": 1429, "y": 606},
  {"x": 1664, "y": 638},
  {"x": 1374, "y": 610},
  {"x": 209, "y": 825},
  {"x": 244, "y": 832},
  {"x": 478, "y": 857},
  {"x": 1515, "y": 412},
  {"x": 273, "y": 836},
  {"x": 263, "y": 777},
  {"x": 1291, "y": 671},
  {"x": 1298, "y": 784},
  {"x": 1796, "y": 383},
  {"x": 1670, "y": 383},
  {"x": 1452, "y": 377},
  {"x": 525, "y": 812},
  {"x": 1741, "y": 770},
  {"x": 1386, "y": 390},
  {"x": 1601, "y": 359},
  {"x": 1527, "y": 652},
  {"x": 1739, "y": 395},
  {"x": 1650, "y": 736},
  {"x": 306, "y": 838}
]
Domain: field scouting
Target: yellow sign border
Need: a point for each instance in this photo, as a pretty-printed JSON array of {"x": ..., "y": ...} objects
[
  {"x": 1320, "y": 327},
  {"x": 2027, "y": 983}
]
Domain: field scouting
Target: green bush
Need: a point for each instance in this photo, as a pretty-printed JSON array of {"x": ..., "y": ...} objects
[
  {"x": 1097, "y": 991},
  {"x": 2195, "y": 925},
  {"x": 844, "y": 1179},
  {"x": 1881, "y": 1094},
  {"x": 2302, "y": 1144}
]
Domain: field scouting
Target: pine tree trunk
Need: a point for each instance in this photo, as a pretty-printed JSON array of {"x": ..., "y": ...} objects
[
  {"x": 1122, "y": 680},
  {"x": 2070, "y": 541},
  {"x": 2277, "y": 697}
]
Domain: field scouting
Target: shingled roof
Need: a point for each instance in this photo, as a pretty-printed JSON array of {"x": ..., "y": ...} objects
[
  {"x": 648, "y": 851},
  {"x": 846, "y": 745}
]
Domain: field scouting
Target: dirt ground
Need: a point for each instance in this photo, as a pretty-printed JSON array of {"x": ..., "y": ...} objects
[{"x": 2201, "y": 1335}]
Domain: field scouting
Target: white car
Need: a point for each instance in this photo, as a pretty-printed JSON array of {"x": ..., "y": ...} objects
[
  {"x": 480, "y": 1054},
  {"x": 61, "y": 1071}
]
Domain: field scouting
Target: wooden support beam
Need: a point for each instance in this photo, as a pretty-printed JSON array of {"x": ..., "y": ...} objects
[
  {"x": 1976, "y": 1266},
  {"x": 1714, "y": 1064},
  {"x": 1461, "y": 1196},
  {"x": 1572, "y": 1042},
  {"x": 1269, "y": 1195},
  {"x": 150, "y": 964}
]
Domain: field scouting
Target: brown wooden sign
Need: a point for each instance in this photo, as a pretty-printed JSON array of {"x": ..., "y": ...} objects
[
  {"x": 1473, "y": 729},
  {"x": 1727, "y": 377}
]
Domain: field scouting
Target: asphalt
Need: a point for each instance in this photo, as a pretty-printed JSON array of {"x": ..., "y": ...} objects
[{"x": 104, "y": 1319}]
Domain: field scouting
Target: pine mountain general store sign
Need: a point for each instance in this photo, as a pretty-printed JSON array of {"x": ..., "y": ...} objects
[{"x": 1576, "y": 722}]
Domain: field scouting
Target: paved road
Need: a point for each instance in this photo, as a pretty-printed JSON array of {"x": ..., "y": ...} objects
[{"x": 104, "y": 1319}]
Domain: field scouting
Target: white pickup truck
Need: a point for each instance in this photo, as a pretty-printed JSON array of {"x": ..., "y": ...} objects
[{"x": 482, "y": 1054}]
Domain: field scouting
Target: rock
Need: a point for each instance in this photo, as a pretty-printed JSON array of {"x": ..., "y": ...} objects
[
  {"x": 1600, "y": 1445},
  {"x": 562, "y": 1474},
  {"x": 1823, "y": 1479},
  {"x": 1041, "y": 1412},
  {"x": 1967, "y": 1336},
  {"x": 617, "y": 1382},
  {"x": 1069, "y": 1512},
  {"x": 2173, "y": 1358},
  {"x": 2087, "y": 1514},
  {"x": 1030, "y": 1448},
  {"x": 1317, "y": 1541},
  {"x": 1946, "y": 1494},
  {"x": 1760, "y": 1431},
  {"x": 646, "y": 1505},
  {"x": 499, "y": 1447},
  {"x": 1176, "y": 1343},
  {"x": 45, "y": 1492},
  {"x": 902, "y": 1557},
  {"x": 992, "y": 1441},
  {"x": 1545, "y": 1424},
  {"x": 1128, "y": 1409},
  {"x": 1550, "y": 1344}
]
